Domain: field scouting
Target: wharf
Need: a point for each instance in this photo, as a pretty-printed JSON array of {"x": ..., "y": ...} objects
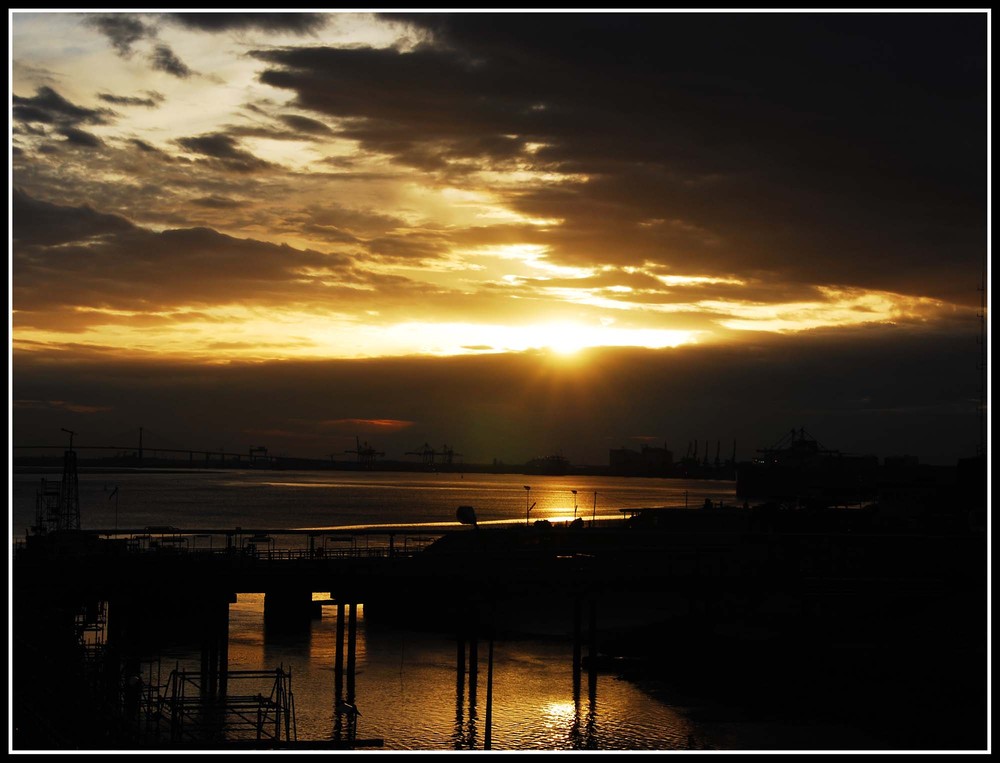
[{"x": 747, "y": 596}]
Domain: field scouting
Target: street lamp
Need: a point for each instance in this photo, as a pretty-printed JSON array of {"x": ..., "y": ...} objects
[
  {"x": 527, "y": 509},
  {"x": 574, "y": 503}
]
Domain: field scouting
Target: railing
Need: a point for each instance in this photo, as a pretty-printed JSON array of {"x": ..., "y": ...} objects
[{"x": 269, "y": 545}]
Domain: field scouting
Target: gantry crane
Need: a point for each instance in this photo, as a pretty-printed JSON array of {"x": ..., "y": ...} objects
[
  {"x": 426, "y": 453},
  {"x": 366, "y": 454},
  {"x": 448, "y": 454}
]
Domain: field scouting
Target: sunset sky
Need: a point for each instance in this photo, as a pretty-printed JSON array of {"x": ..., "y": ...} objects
[{"x": 512, "y": 233}]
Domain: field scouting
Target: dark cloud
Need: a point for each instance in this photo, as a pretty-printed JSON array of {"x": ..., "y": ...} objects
[
  {"x": 145, "y": 147},
  {"x": 296, "y": 23},
  {"x": 123, "y": 30},
  {"x": 217, "y": 202},
  {"x": 165, "y": 60},
  {"x": 862, "y": 393},
  {"x": 829, "y": 147},
  {"x": 40, "y": 223},
  {"x": 80, "y": 138},
  {"x": 49, "y": 107},
  {"x": 226, "y": 149},
  {"x": 113, "y": 263},
  {"x": 153, "y": 100},
  {"x": 305, "y": 124}
]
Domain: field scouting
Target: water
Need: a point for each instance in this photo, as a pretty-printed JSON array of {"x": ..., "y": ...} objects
[
  {"x": 406, "y": 686},
  {"x": 304, "y": 499}
]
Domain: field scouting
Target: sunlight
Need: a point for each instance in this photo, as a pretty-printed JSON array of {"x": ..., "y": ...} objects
[
  {"x": 560, "y": 712},
  {"x": 249, "y": 335},
  {"x": 843, "y": 307}
]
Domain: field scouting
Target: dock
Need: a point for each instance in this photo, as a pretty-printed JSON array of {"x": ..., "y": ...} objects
[{"x": 655, "y": 582}]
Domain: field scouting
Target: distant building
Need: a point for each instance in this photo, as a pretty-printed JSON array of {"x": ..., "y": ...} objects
[
  {"x": 551, "y": 465},
  {"x": 649, "y": 460}
]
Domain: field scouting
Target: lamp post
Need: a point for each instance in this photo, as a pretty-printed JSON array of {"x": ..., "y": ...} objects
[
  {"x": 594, "y": 516},
  {"x": 574, "y": 503},
  {"x": 527, "y": 509}
]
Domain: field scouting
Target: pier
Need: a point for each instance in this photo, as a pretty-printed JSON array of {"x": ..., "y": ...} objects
[{"x": 640, "y": 588}]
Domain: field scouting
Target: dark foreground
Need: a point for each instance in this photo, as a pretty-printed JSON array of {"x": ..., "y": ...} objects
[{"x": 832, "y": 614}]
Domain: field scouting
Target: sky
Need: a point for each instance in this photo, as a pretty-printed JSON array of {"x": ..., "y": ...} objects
[{"x": 513, "y": 234}]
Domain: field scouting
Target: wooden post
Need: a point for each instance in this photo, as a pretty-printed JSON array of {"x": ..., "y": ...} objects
[
  {"x": 352, "y": 634},
  {"x": 488, "y": 743},
  {"x": 577, "y": 633},
  {"x": 338, "y": 664},
  {"x": 473, "y": 660},
  {"x": 593, "y": 637}
]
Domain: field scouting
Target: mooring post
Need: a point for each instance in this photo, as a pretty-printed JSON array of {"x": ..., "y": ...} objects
[
  {"x": 460, "y": 658},
  {"x": 338, "y": 660},
  {"x": 473, "y": 658},
  {"x": 593, "y": 637},
  {"x": 577, "y": 633},
  {"x": 488, "y": 742},
  {"x": 352, "y": 634}
]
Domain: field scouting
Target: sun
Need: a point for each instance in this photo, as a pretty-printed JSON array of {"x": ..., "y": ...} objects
[
  {"x": 565, "y": 338},
  {"x": 568, "y": 338}
]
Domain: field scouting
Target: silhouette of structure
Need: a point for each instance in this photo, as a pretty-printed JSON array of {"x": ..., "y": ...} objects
[
  {"x": 428, "y": 455},
  {"x": 367, "y": 455},
  {"x": 649, "y": 461},
  {"x": 58, "y": 508},
  {"x": 797, "y": 469}
]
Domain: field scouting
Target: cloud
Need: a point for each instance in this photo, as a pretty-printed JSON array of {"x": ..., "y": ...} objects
[
  {"x": 116, "y": 265},
  {"x": 153, "y": 100},
  {"x": 123, "y": 30},
  {"x": 165, "y": 60},
  {"x": 364, "y": 426},
  {"x": 80, "y": 138},
  {"x": 305, "y": 124},
  {"x": 62, "y": 405},
  {"x": 40, "y": 223},
  {"x": 146, "y": 147},
  {"x": 837, "y": 144},
  {"x": 226, "y": 149},
  {"x": 48, "y": 107},
  {"x": 863, "y": 393},
  {"x": 217, "y": 202},
  {"x": 295, "y": 23}
]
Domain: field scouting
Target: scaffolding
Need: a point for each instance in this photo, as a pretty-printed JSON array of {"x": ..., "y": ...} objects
[
  {"x": 91, "y": 630},
  {"x": 57, "y": 507},
  {"x": 263, "y": 712}
]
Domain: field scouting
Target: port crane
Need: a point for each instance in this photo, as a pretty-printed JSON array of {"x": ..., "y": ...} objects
[
  {"x": 366, "y": 454},
  {"x": 448, "y": 454},
  {"x": 428, "y": 454}
]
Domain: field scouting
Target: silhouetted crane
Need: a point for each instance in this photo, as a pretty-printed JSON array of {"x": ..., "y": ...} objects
[
  {"x": 448, "y": 454},
  {"x": 426, "y": 454},
  {"x": 366, "y": 454}
]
